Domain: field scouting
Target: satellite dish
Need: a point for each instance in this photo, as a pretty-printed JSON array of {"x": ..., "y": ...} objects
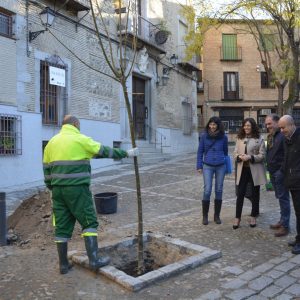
[{"x": 161, "y": 37}]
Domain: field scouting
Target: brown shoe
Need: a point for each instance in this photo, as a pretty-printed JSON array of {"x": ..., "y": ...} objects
[
  {"x": 282, "y": 231},
  {"x": 276, "y": 226}
]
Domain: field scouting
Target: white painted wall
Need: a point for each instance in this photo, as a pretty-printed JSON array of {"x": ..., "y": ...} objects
[
  {"x": 178, "y": 142},
  {"x": 19, "y": 169}
]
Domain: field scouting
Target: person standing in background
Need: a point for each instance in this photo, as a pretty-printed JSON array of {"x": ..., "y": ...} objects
[
  {"x": 213, "y": 147},
  {"x": 274, "y": 158},
  {"x": 249, "y": 154},
  {"x": 291, "y": 169}
]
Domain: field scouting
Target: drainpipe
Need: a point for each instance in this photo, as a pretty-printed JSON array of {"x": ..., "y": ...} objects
[{"x": 2, "y": 220}]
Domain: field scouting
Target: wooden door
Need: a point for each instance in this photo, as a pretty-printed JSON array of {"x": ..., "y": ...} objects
[{"x": 139, "y": 107}]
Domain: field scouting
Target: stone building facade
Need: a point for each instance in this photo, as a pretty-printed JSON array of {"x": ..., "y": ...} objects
[
  {"x": 47, "y": 74},
  {"x": 233, "y": 83}
]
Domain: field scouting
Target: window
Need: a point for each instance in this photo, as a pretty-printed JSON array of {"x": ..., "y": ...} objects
[
  {"x": 265, "y": 81},
  {"x": 266, "y": 42},
  {"x": 187, "y": 118},
  {"x": 229, "y": 47},
  {"x": 232, "y": 119},
  {"x": 231, "y": 90},
  {"x": 5, "y": 23},
  {"x": 52, "y": 97},
  {"x": 10, "y": 135}
]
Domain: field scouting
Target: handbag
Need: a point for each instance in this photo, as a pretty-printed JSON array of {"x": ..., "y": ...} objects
[{"x": 228, "y": 164}]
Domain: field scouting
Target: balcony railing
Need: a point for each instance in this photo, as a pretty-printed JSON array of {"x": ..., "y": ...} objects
[
  {"x": 230, "y": 53},
  {"x": 232, "y": 95},
  {"x": 142, "y": 28}
]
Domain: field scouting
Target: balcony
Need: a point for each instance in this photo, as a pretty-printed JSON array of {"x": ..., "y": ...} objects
[
  {"x": 230, "y": 53},
  {"x": 235, "y": 94},
  {"x": 138, "y": 27},
  {"x": 189, "y": 65},
  {"x": 75, "y": 5}
]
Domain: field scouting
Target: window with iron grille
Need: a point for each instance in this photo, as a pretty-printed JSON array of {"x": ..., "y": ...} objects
[
  {"x": 5, "y": 23},
  {"x": 10, "y": 135},
  {"x": 187, "y": 118},
  {"x": 52, "y": 100}
]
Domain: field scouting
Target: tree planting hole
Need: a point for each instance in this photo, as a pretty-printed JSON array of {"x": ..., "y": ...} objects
[{"x": 131, "y": 268}]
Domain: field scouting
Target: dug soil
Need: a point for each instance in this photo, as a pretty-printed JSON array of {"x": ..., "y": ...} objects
[{"x": 31, "y": 223}]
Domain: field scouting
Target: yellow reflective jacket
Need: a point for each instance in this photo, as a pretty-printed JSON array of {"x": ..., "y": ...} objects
[{"x": 67, "y": 157}]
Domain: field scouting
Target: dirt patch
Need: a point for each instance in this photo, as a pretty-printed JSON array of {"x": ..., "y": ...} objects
[{"x": 31, "y": 223}]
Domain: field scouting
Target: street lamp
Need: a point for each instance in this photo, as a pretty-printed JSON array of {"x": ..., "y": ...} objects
[
  {"x": 47, "y": 18},
  {"x": 174, "y": 59},
  {"x": 165, "y": 76}
]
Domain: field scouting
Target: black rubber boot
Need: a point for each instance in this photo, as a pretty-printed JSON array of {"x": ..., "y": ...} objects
[
  {"x": 205, "y": 209},
  {"x": 64, "y": 266},
  {"x": 91, "y": 245},
  {"x": 218, "y": 205}
]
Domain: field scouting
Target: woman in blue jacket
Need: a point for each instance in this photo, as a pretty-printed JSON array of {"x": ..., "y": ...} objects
[{"x": 213, "y": 147}]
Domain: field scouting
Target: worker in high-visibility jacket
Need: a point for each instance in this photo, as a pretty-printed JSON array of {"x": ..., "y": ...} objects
[{"x": 67, "y": 173}]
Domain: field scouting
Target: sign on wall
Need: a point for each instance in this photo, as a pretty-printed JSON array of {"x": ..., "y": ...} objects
[{"x": 57, "y": 76}]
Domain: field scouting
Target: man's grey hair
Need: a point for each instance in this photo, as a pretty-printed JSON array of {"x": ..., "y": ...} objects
[
  {"x": 288, "y": 119},
  {"x": 69, "y": 119},
  {"x": 274, "y": 117}
]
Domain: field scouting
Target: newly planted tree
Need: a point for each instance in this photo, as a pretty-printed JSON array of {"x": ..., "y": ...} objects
[{"x": 115, "y": 28}]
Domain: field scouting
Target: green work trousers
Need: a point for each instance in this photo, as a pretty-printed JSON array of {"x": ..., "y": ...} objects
[{"x": 71, "y": 203}]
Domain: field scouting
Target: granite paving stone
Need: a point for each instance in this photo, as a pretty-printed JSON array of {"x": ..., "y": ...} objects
[
  {"x": 260, "y": 283},
  {"x": 285, "y": 281}
]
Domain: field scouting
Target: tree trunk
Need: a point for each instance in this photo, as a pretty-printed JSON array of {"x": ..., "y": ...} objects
[
  {"x": 280, "y": 100},
  {"x": 138, "y": 184},
  {"x": 293, "y": 97}
]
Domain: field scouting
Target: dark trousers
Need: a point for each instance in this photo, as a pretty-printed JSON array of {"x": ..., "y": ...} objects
[
  {"x": 296, "y": 202},
  {"x": 246, "y": 178},
  {"x": 282, "y": 194}
]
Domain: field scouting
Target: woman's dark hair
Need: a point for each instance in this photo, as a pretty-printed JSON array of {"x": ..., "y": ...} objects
[
  {"x": 219, "y": 123},
  {"x": 254, "y": 129}
]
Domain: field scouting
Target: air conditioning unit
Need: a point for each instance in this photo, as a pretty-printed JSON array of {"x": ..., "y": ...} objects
[{"x": 265, "y": 111}]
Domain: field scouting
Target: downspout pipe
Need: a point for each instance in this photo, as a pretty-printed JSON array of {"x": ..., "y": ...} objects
[{"x": 3, "y": 239}]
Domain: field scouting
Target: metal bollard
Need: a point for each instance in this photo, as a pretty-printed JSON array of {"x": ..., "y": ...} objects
[{"x": 3, "y": 241}]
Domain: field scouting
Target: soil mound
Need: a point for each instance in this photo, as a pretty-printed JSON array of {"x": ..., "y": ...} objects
[{"x": 31, "y": 221}]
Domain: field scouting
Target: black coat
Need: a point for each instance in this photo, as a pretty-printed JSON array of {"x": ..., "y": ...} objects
[
  {"x": 275, "y": 154},
  {"x": 291, "y": 166}
]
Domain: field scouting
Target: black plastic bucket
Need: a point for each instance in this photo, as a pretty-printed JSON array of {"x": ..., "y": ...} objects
[{"x": 106, "y": 203}]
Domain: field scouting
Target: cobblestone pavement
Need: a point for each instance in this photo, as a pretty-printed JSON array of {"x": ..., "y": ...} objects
[{"x": 254, "y": 264}]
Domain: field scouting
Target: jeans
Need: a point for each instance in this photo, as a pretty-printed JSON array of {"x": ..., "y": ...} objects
[
  {"x": 296, "y": 201},
  {"x": 208, "y": 173},
  {"x": 246, "y": 177},
  {"x": 282, "y": 194}
]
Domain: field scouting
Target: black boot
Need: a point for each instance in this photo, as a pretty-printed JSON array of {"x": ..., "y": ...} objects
[
  {"x": 91, "y": 245},
  {"x": 64, "y": 266},
  {"x": 205, "y": 209},
  {"x": 218, "y": 205}
]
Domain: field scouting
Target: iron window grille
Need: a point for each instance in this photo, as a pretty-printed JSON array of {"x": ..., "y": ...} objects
[
  {"x": 52, "y": 97},
  {"x": 10, "y": 135}
]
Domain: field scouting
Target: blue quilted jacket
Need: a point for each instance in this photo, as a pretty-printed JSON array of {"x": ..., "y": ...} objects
[{"x": 212, "y": 150}]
